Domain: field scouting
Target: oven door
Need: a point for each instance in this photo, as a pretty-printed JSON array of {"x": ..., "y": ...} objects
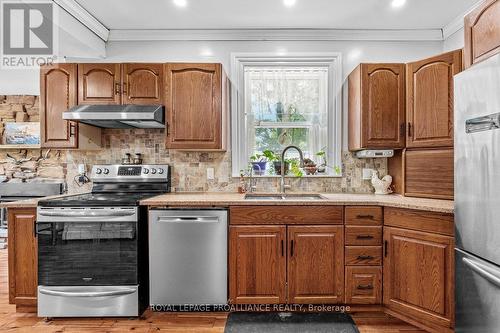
[{"x": 87, "y": 246}]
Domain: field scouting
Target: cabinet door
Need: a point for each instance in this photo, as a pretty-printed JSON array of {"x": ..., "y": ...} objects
[
  {"x": 429, "y": 173},
  {"x": 430, "y": 100},
  {"x": 193, "y": 94},
  {"x": 99, "y": 84},
  {"x": 482, "y": 32},
  {"x": 257, "y": 264},
  {"x": 142, "y": 84},
  {"x": 315, "y": 264},
  {"x": 58, "y": 93},
  {"x": 418, "y": 275},
  {"x": 383, "y": 105},
  {"x": 23, "y": 279}
]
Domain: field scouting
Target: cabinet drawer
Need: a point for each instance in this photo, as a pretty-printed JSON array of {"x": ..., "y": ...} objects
[
  {"x": 363, "y": 285},
  {"x": 363, "y": 255},
  {"x": 356, "y": 235},
  {"x": 363, "y": 215}
]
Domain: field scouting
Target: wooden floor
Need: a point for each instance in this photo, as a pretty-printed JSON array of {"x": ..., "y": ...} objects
[{"x": 10, "y": 321}]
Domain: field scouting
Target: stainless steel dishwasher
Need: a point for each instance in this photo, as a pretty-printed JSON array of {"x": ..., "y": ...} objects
[{"x": 188, "y": 256}]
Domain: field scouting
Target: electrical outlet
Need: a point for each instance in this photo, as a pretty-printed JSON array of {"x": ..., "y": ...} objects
[
  {"x": 367, "y": 174},
  {"x": 210, "y": 174}
]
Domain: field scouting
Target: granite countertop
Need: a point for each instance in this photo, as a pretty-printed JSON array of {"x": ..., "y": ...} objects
[
  {"x": 223, "y": 199},
  {"x": 233, "y": 199}
]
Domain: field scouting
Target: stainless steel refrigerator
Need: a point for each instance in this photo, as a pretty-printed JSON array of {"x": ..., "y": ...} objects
[{"x": 477, "y": 198}]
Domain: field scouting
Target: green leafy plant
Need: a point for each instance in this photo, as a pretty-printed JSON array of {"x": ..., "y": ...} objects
[{"x": 295, "y": 167}]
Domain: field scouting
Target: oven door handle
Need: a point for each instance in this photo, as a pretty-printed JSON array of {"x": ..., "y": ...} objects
[
  {"x": 119, "y": 292},
  {"x": 86, "y": 214}
]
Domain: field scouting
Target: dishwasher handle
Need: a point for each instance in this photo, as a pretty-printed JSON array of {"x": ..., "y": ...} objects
[{"x": 188, "y": 219}]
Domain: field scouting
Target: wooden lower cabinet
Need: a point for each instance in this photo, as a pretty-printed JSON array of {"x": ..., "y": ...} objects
[
  {"x": 363, "y": 285},
  {"x": 260, "y": 255},
  {"x": 23, "y": 260},
  {"x": 315, "y": 264},
  {"x": 257, "y": 264},
  {"x": 419, "y": 278}
]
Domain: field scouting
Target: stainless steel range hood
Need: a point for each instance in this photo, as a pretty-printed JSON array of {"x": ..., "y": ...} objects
[{"x": 118, "y": 116}]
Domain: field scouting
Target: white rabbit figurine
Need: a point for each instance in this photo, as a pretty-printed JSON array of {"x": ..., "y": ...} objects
[{"x": 382, "y": 186}]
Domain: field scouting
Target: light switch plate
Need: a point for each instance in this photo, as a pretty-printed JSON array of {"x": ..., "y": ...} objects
[
  {"x": 367, "y": 174},
  {"x": 210, "y": 174}
]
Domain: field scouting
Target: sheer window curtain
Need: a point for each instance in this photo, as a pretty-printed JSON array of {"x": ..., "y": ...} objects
[{"x": 286, "y": 105}]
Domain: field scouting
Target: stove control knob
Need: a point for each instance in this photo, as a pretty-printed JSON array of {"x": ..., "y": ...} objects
[
  {"x": 106, "y": 171},
  {"x": 146, "y": 171},
  {"x": 153, "y": 171},
  {"x": 161, "y": 171},
  {"x": 98, "y": 171}
]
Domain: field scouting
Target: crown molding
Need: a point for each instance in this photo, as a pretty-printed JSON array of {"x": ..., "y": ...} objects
[
  {"x": 84, "y": 17},
  {"x": 458, "y": 22},
  {"x": 275, "y": 35}
]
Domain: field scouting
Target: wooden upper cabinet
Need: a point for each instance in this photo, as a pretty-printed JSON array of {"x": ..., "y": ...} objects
[
  {"x": 99, "y": 84},
  {"x": 257, "y": 264},
  {"x": 316, "y": 264},
  {"x": 23, "y": 278},
  {"x": 377, "y": 107},
  {"x": 430, "y": 100},
  {"x": 142, "y": 83},
  {"x": 482, "y": 32},
  {"x": 418, "y": 276},
  {"x": 58, "y": 93},
  {"x": 196, "y": 103}
]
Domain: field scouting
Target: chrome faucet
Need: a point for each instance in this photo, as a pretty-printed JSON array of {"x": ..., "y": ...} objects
[{"x": 282, "y": 182}]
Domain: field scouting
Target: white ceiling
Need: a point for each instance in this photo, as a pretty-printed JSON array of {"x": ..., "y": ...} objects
[{"x": 271, "y": 14}]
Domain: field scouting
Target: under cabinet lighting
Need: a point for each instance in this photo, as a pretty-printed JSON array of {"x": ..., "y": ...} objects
[{"x": 289, "y": 3}]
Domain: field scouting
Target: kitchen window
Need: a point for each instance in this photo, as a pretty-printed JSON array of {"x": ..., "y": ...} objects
[{"x": 287, "y": 101}]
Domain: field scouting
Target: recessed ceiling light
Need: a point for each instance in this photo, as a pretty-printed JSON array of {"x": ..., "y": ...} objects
[
  {"x": 398, "y": 3},
  {"x": 180, "y": 3},
  {"x": 289, "y": 3}
]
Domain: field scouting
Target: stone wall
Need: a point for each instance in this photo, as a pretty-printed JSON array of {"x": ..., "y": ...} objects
[{"x": 189, "y": 168}]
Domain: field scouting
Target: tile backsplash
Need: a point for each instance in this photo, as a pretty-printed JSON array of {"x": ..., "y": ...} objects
[{"x": 189, "y": 168}]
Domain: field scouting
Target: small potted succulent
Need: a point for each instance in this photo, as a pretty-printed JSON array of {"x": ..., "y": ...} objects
[{"x": 309, "y": 166}]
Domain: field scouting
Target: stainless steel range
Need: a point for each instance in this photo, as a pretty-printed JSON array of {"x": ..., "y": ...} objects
[{"x": 92, "y": 247}]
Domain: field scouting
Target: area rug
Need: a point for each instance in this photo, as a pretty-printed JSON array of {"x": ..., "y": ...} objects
[{"x": 286, "y": 322}]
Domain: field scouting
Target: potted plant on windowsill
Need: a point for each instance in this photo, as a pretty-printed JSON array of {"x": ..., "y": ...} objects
[{"x": 309, "y": 167}]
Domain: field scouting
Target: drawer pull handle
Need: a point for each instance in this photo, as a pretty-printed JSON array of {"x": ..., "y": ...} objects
[
  {"x": 365, "y": 287},
  {"x": 364, "y": 237},
  {"x": 364, "y": 257},
  {"x": 368, "y": 217}
]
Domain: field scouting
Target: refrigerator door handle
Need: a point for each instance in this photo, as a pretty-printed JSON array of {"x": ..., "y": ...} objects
[
  {"x": 490, "y": 274},
  {"x": 484, "y": 123}
]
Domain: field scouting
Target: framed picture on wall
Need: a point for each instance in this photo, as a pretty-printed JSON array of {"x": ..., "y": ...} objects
[{"x": 21, "y": 133}]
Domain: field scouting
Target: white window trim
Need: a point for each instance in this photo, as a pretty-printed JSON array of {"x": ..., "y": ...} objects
[{"x": 238, "y": 62}]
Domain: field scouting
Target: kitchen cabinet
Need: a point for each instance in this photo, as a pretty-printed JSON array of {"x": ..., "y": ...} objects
[
  {"x": 315, "y": 264},
  {"x": 128, "y": 83},
  {"x": 22, "y": 257},
  {"x": 142, "y": 83},
  {"x": 58, "y": 93},
  {"x": 418, "y": 277},
  {"x": 429, "y": 173},
  {"x": 197, "y": 104},
  {"x": 377, "y": 107},
  {"x": 257, "y": 264},
  {"x": 429, "y": 106},
  {"x": 99, "y": 83},
  {"x": 363, "y": 285},
  {"x": 482, "y": 32}
]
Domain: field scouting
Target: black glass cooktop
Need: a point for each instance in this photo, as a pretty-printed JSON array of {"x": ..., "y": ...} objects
[{"x": 97, "y": 199}]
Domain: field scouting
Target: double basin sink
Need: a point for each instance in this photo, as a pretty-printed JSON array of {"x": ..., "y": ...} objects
[{"x": 281, "y": 197}]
